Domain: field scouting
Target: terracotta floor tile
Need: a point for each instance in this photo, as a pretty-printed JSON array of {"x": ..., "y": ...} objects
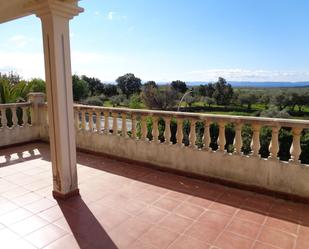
[
  {"x": 244, "y": 228},
  {"x": 259, "y": 245},
  {"x": 185, "y": 242},
  {"x": 213, "y": 219},
  {"x": 202, "y": 232},
  {"x": 166, "y": 203},
  {"x": 7, "y": 236},
  {"x": 152, "y": 214},
  {"x": 28, "y": 225},
  {"x": 175, "y": 223},
  {"x": 129, "y": 206},
  {"x": 159, "y": 237},
  {"x": 134, "y": 227},
  {"x": 223, "y": 208},
  {"x": 252, "y": 216},
  {"x": 52, "y": 214},
  {"x": 45, "y": 235},
  {"x": 205, "y": 203},
  {"x": 189, "y": 211},
  {"x": 302, "y": 242},
  {"x": 40, "y": 205},
  {"x": 283, "y": 225},
  {"x": 14, "y": 216},
  {"x": 277, "y": 238},
  {"x": 112, "y": 218},
  {"x": 26, "y": 199},
  {"x": 141, "y": 245},
  {"x": 67, "y": 242},
  {"x": 177, "y": 195},
  {"x": 229, "y": 240},
  {"x": 259, "y": 202},
  {"x": 148, "y": 196},
  {"x": 16, "y": 192},
  {"x": 20, "y": 244}
]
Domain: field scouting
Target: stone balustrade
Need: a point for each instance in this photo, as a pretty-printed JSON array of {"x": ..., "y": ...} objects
[
  {"x": 114, "y": 121},
  {"x": 188, "y": 142}
]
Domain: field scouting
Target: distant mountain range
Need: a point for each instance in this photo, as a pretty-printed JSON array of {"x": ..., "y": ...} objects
[{"x": 257, "y": 84}]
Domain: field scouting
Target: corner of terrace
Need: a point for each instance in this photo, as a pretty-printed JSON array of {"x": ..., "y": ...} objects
[{"x": 130, "y": 185}]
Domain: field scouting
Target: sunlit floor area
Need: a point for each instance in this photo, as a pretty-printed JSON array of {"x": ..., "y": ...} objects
[{"x": 123, "y": 205}]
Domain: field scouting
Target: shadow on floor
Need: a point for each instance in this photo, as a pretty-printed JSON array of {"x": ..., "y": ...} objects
[
  {"x": 86, "y": 229},
  {"x": 258, "y": 204}
]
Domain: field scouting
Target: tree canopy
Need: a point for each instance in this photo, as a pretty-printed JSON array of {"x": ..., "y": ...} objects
[{"x": 129, "y": 84}]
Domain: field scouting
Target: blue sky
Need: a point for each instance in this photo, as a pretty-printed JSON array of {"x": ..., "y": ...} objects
[{"x": 164, "y": 40}]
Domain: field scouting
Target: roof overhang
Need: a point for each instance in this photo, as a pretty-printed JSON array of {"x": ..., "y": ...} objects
[{"x": 13, "y": 9}]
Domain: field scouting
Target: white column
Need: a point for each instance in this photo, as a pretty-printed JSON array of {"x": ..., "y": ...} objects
[{"x": 55, "y": 16}]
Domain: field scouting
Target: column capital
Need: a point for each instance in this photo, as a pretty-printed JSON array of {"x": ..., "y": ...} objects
[{"x": 63, "y": 8}]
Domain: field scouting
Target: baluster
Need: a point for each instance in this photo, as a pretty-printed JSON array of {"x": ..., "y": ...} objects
[
  {"x": 98, "y": 121},
  {"x": 83, "y": 119},
  {"x": 106, "y": 122},
  {"x": 76, "y": 119},
  {"x": 192, "y": 135},
  {"x": 115, "y": 123},
  {"x": 295, "y": 147},
  {"x": 238, "y": 139},
  {"x": 167, "y": 131},
  {"x": 14, "y": 117},
  {"x": 124, "y": 131},
  {"x": 179, "y": 134},
  {"x": 274, "y": 144},
  {"x": 144, "y": 127},
  {"x": 133, "y": 128},
  {"x": 4, "y": 120},
  {"x": 25, "y": 116},
  {"x": 206, "y": 135},
  {"x": 90, "y": 115},
  {"x": 255, "y": 143},
  {"x": 221, "y": 138},
  {"x": 155, "y": 129}
]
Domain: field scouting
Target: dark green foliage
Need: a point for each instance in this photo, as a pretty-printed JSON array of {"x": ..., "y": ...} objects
[
  {"x": 95, "y": 85},
  {"x": 80, "y": 88},
  {"x": 94, "y": 100},
  {"x": 223, "y": 93},
  {"x": 179, "y": 86},
  {"x": 129, "y": 84},
  {"x": 110, "y": 90}
]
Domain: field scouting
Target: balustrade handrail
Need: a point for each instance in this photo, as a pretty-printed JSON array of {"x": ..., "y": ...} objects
[
  {"x": 10, "y": 105},
  {"x": 293, "y": 123}
]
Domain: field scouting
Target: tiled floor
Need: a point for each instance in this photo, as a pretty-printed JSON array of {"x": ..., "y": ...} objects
[{"x": 129, "y": 206}]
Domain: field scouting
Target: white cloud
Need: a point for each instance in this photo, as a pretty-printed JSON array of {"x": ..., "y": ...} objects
[
  {"x": 20, "y": 40},
  {"x": 248, "y": 75},
  {"x": 115, "y": 16},
  {"x": 28, "y": 65},
  {"x": 97, "y": 13}
]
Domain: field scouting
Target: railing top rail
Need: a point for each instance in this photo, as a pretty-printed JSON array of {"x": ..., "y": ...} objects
[
  {"x": 10, "y": 105},
  {"x": 202, "y": 116}
]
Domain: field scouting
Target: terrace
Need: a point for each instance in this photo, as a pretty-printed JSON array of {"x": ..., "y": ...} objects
[{"x": 130, "y": 185}]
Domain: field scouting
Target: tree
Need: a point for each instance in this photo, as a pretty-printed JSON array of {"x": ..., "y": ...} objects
[
  {"x": 281, "y": 100},
  {"x": 206, "y": 90},
  {"x": 208, "y": 101},
  {"x": 189, "y": 99},
  {"x": 37, "y": 85},
  {"x": 151, "y": 83},
  {"x": 265, "y": 100},
  {"x": 223, "y": 92},
  {"x": 129, "y": 84},
  {"x": 110, "y": 90},
  {"x": 248, "y": 99},
  {"x": 162, "y": 99},
  {"x": 179, "y": 86},
  {"x": 95, "y": 85},
  {"x": 93, "y": 100},
  {"x": 80, "y": 88}
]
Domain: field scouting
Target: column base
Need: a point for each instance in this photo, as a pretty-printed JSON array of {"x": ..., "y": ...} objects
[{"x": 66, "y": 196}]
